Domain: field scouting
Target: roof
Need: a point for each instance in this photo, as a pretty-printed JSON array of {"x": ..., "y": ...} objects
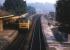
[{"x": 4, "y": 13}]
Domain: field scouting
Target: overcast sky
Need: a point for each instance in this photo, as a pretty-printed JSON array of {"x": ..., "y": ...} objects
[
  {"x": 1, "y": 1},
  {"x": 33, "y": 1},
  {"x": 41, "y": 1}
]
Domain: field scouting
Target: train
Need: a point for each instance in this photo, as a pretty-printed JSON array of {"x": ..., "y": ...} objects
[{"x": 17, "y": 22}]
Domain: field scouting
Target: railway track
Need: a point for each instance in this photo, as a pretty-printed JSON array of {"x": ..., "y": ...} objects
[
  {"x": 37, "y": 40},
  {"x": 19, "y": 42}
]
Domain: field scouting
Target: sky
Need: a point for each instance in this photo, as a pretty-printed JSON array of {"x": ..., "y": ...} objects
[
  {"x": 1, "y": 1},
  {"x": 42, "y": 1},
  {"x": 33, "y": 1}
]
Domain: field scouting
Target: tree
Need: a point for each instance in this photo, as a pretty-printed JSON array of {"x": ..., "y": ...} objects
[
  {"x": 63, "y": 15},
  {"x": 31, "y": 10},
  {"x": 16, "y": 7}
]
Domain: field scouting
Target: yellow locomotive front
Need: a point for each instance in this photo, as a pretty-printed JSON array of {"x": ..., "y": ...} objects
[{"x": 17, "y": 22}]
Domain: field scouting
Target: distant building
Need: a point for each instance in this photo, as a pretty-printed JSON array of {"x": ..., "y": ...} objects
[{"x": 52, "y": 15}]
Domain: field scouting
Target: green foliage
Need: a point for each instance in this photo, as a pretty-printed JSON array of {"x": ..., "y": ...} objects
[
  {"x": 63, "y": 11},
  {"x": 63, "y": 14},
  {"x": 16, "y": 7},
  {"x": 31, "y": 10}
]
